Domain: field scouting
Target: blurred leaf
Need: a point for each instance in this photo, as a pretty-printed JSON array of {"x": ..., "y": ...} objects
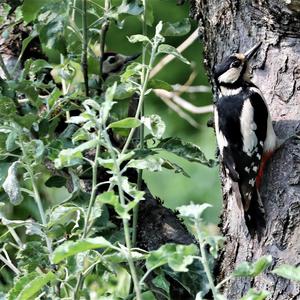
[
  {"x": 68, "y": 158},
  {"x": 178, "y": 257},
  {"x": 175, "y": 167},
  {"x": 176, "y": 29},
  {"x": 148, "y": 296},
  {"x": 126, "y": 123},
  {"x": 63, "y": 215},
  {"x": 159, "y": 84},
  {"x": 8, "y": 107},
  {"x": 149, "y": 13},
  {"x": 12, "y": 186},
  {"x": 255, "y": 295},
  {"x": 161, "y": 282},
  {"x": 164, "y": 48},
  {"x": 71, "y": 248},
  {"x": 138, "y": 38},
  {"x": 4, "y": 166},
  {"x": 28, "y": 285},
  {"x": 28, "y": 262},
  {"x": 155, "y": 124},
  {"x": 125, "y": 90},
  {"x": 30, "y": 9},
  {"x": 56, "y": 182},
  {"x": 11, "y": 141},
  {"x": 288, "y": 272},
  {"x": 186, "y": 150},
  {"x": 193, "y": 211},
  {"x": 131, "y": 7},
  {"x": 246, "y": 269},
  {"x": 150, "y": 163}
]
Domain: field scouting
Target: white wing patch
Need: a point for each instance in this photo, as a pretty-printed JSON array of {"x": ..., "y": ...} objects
[
  {"x": 221, "y": 139},
  {"x": 248, "y": 127},
  {"x": 271, "y": 138}
]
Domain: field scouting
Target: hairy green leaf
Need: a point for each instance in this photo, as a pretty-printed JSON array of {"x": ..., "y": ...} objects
[
  {"x": 186, "y": 150},
  {"x": 126, "y": 123},
  {"x": 159, "y": 84},
  {"x": 71, "y": 248},
  {"x": 246, "y": 269},
  {"x": 155, "y": 124},
  {"x": 164, "y": 48},
  {"x": 193, "y": 211},
  {"x": 176, "y": 29},
  {"x": 288, "y": 272},
  {"x": 138, "y": 38}
]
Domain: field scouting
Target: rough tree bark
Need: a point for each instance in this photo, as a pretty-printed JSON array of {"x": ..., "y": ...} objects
[{"x": 235, "y": 25}]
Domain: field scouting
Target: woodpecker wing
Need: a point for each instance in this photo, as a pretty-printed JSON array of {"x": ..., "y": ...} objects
[{"x": 242, "y": 121}]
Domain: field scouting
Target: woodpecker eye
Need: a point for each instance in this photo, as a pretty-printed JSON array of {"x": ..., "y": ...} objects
[
  {"x": 235, "y": 64},
  {"x": 111, "y": 59}
]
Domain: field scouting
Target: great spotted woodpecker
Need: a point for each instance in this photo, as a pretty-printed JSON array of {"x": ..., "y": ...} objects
[{"x": 244, "y": 131}]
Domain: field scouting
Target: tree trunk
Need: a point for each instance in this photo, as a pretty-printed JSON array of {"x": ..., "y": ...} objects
[{"x": 230, "y": 26}]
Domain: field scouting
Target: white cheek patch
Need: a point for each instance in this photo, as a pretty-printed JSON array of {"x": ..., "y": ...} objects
[
  {"x": 230, "y": 92},
  {"x": 247, "y": 128},
  {"x": 230, "y": 76}
]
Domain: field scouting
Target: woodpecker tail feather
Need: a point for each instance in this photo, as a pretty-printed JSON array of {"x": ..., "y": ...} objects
[{"x": 255, "y": 215}]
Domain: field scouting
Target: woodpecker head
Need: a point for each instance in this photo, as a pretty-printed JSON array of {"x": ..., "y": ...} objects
[
  {"x": 114, "y": 63},
  {"x": 234, "y": 68}
]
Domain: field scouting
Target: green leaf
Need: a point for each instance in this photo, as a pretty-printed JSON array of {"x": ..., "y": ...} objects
[
  {"x": 56, "y": 182},
  {"x": 288, "y": 272},
  {"x": 68, "y": 158},
  {"x": 126, "y": 123},
  {"x": 149, "y": 13},
  {"x": 176, "y": 29},
  {"x": 138, "y": 38},
  {"x": 186, "y": 150},
  {"x": 125, "y": 90},
  {"x": 71, "y": 248},
  {"x": 12, "y": 186},
  {"x": 131, "y": 7},
  {"x": 30, "y": 284},
  {"x": 159, "y": 84},
  {"x": 155, "y": 124},
  {"x": 8, "y": 108},
  {"x": 30, "y": 9},
  {"x": 63, "y": 215},
  {"x": 178, "y": 257},
  {"x": 193, "y": 211},
  {"x": 246, "y": 269},
  {"x": 150, "y": 163},
  {"x": 161, "y": 282},
  {"x": 255, "y": 295},
  {"x": 164, "y": 48}
]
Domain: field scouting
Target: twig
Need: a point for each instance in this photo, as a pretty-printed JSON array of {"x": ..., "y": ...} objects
[
  {"x": 84, "y": 47},
  {"x": 9, "y": 264},
  {"x": 183, "y": 103},
  {"x": 191, "y": 89},
  {"x": 188, "y": 83},
  {"x": 180, "y": 112},
  {"x": 4, "y": 69},
  {"x": 189, "y": 41}
]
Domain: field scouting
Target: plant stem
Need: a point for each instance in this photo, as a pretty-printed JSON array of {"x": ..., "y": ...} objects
[
  {"x": 104, "y": 29},
  {"x": 88, "y": 215},
  {"x": 15, "y": 236},
  {"x": 142, "y": 96},
  {"x": 38, "y": 201},
  {"x": 204, "y": 260},
  {"x": 135, "y": 214},
  {"x": 84, "y": 47},
  {"x": 125, "y": 221},
  {"x": 4, "y": 69}
]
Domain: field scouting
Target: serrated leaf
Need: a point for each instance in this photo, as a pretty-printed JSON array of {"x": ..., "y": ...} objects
[
  {"x": 28, "y": 285},
  {"x": 176, "y": 29},
  {"x": 193, "y": 211},
  {"x": 178, "y": 257},
  {"x": 71, "y": 248},
  {"x": 246, "y": 269},
  {"x": 186, "y": 150},
  {"x": 164, "y": 48},
  {"x": 155, "y": 124},
  {"x": 12, "y": 186},
  {"x": 255, "y": 295},
  {"x": 126, "y": 123},
  {"x": 288, "y": 272},
  {"x": 150, "y": 163},
  {"x": 138, "y": 38},
  {"x": 159, "y": 84}
]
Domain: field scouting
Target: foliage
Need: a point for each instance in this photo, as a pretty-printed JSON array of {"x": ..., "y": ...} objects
[{"x": 63, "y": 126}]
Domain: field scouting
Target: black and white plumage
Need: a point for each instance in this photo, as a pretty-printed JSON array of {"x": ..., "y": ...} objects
[{"x": 244, "y": 131}]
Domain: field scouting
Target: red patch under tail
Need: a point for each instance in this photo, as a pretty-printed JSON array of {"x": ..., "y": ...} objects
[{"x": 266, "y": 156}]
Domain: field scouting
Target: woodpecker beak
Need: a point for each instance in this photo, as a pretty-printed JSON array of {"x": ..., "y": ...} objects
[
  {"x": 252, "y": 51},
  {"x": 132, "y": 57}
]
